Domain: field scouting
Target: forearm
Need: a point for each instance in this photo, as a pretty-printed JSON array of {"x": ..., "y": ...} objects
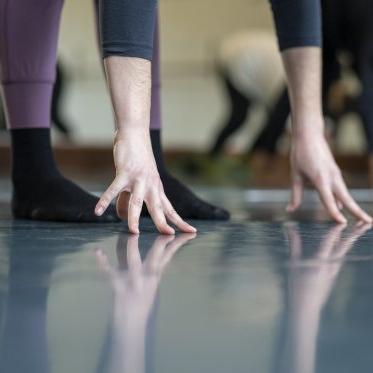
[
  {"x": 128, "y": 352},
  {"x": 129, "y": 81},
  {"x": 298, "y": 27},
  {"x": 126, "y": 36},
  {"x": 303, "y": 71}
]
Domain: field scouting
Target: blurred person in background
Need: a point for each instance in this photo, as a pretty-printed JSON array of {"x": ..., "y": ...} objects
[
  {"x": 59, "y": 91},
  {"x": 347, "y": 30},
  {"x": 250, "y": 69}
]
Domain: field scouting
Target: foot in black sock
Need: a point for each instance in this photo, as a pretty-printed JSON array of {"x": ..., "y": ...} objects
[
  {"x": 184, "y": 201},
  {"x": 40, "y": 192},
  {"x": 187, "y": 204}
]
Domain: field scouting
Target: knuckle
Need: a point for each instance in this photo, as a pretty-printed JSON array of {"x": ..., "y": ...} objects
[
  {"x": 110, "y": 193},
  {"x": 104, "y": 200},
  {"x": 154, "y": 179},
  {"x": 136, "y": 201},
  {"x": 172, "y": 212},
  {"x": 337, "y": 171},
  {"x": 320, "y": 179},
  {"x": 156, "y": 208}
]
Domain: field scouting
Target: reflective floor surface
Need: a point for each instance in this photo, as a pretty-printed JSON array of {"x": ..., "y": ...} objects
[{"x": 249, "y": 295}]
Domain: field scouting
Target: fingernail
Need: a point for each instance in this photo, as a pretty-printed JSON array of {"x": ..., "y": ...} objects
[
  {"x": 134, "y": 230},
  {"x": 99, "y": 211}
]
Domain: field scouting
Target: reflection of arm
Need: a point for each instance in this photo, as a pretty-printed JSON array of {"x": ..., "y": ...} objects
[
  {"x": 129, "y": 336},
  {"x": 135, "y": 290},
  {"x": 309, "y": 290}
]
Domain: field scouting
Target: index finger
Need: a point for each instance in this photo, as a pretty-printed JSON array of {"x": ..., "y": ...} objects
[{"x": 110, "y": 193}]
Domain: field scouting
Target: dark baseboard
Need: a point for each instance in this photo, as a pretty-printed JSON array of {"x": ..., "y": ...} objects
[{"x": 97, "y": 161}]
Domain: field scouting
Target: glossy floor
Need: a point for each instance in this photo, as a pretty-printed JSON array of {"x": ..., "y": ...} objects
[{"x": 242, "y": 296}]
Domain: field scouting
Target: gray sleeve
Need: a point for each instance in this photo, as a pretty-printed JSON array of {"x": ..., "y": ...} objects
[
  {"x": 127, "y": 27},
  {"x": 297, "y": 22}
]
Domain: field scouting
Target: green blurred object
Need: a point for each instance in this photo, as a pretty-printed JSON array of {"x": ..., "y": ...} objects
[{"x": 201, "y": 169}]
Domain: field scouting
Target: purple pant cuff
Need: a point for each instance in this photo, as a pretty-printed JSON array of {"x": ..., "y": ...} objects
[{"x": 28, "y": 105}]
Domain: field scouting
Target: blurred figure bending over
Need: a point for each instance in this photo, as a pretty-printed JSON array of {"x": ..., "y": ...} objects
[
  {"x": 58, "y": 117},
  {"x": 250, "y": 68}
]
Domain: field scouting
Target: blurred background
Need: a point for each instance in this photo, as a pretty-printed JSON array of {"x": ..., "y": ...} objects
[{"x": 222, "y": 85}]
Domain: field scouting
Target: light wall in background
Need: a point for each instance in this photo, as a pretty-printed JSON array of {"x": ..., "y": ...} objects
[
  {"x": 190, "y": 31},
  {"x": 193, "y": 101}
]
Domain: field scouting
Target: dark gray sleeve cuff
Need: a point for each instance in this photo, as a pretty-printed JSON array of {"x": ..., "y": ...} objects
[
  {"x": 297, "y": 22},
  {"x": 127, "y": 28}
]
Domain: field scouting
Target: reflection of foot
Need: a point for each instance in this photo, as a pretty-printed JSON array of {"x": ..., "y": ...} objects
[
  {"x": 56, "y": 199},
  {"x": 187, "y": 204}
]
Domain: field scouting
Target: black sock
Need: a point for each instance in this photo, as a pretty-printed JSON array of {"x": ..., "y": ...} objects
[
  {"x": 184, "y": 201},
  {"x": 40, "y": 192}
]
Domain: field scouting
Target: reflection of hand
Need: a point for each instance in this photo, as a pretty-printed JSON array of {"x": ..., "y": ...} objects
[
  {"x": 312, "y": 159},
  {"x": 135, "y": 285},
  {"x": 310, "y": 284},
  {"x": 314, "y": 282}
]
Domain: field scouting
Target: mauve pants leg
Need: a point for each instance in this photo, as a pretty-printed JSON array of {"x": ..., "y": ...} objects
[{"x": 28, "y": 51}]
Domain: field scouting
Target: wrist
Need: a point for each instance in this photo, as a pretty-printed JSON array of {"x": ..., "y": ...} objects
[
  {"x": 128, "y": 131},
  {"x": 307, "y": 126}
]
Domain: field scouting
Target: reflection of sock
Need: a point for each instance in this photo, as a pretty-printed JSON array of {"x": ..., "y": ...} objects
[
  {"x": 185, "y": 202},
  {"x": 40, "y": 192}
]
